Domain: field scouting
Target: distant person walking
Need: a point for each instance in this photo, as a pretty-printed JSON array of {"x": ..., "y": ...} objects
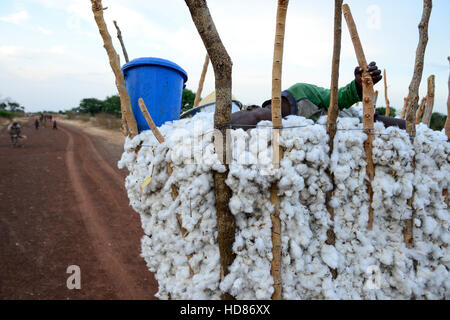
[
  {"x": 54, "y": 125},
  {"x": 36, "y": 124},
  {"x": 14, "y": 130}
]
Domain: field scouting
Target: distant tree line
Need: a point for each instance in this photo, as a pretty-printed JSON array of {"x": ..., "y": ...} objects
[
  {"x": 9, "y": 108},
  {"x": 111, "y": 105}
]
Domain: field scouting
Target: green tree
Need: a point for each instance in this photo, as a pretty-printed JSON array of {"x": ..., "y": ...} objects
[
  {"x": 437, "y": 121},
  {"x": 382, "y": 111},
  {"x": 90, "y": 105},
  {"x": 187, "y": 102},
  {"x": 112, "y": 105}
]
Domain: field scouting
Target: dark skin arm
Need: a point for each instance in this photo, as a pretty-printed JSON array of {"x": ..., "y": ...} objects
[{"x": 247, "y": 119}]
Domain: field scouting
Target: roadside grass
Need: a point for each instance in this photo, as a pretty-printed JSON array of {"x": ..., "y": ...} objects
[{"x": 102, "y": 120}]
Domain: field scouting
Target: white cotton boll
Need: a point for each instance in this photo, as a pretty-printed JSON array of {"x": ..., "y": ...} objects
[
  {"x": 329, "y": 256},
  {"x": 417, "y": 222},
  {"x": 429, "y": 225}
]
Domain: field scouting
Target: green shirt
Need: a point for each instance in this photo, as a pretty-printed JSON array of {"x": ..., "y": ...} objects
[{"x": 347, "y": 96}]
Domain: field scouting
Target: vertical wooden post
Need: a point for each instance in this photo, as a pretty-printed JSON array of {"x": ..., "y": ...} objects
[
  {"x": 201, "y": 81},
  {"x": 222, "y": 66},
  {"x": 447, "y": 122},
  {"x": 413, "y": 95},
  {"x": 412, "y": 103},
  {"x": 405, "y": 103},
  {"x": 388, "y": 107},
  {"x": 368, "y": 106},
  {"x": 420, "y": 110},
  {"x": 333, "y": 110},
  {"x": 114, "y": 61},
  {"x": 426, "y": 119},
  {"x": 447, "y": 132},
  {"x": 277, "y": 150},
  {"x": 375, "y": 98}
]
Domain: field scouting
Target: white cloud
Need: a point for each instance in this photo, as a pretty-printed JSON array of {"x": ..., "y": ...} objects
[
  {"x": 58, "y": 49},
  {"x": 16, "y": 18},
  {"x": 43, "y": 30},
  {"x": 9, "y": 51}
]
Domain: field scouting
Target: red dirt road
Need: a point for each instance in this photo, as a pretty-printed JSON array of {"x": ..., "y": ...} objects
[{"x": 62, "y": 203}]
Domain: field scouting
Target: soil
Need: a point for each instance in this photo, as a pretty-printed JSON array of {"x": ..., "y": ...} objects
[{"x": 63, "y": 203}]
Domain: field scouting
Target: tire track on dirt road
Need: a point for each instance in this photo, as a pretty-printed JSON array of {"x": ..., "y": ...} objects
[{"x": 93, "y": 177}]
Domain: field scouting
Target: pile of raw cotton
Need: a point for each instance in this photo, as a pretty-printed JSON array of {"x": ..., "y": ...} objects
[{"x": 322, "y": 258}]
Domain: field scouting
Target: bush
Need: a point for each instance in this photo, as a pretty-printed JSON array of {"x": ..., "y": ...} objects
[
  {"x": 437, "y": 121},
  {"x": 6, "y": 114},
  {"x": 187, "y": 101},
  {"x": 382, "y": 111}
]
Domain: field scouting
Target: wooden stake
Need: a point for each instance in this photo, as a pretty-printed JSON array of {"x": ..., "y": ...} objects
[
  {"x": 150, "y": 122},
  {"x": 119, "y": 36},
  {"x": 405, "y": 103},
  {"x": 368, "y": 106},
  {"x": 174, "y": 189},
  {"x": 201, "y": 82},
  {"x": 413, "y": 95},
  {"x": 447, "y": 122},
  {"x": 277, "y": 150},
  {"x": 426, "y": 119},
  {"x": 222, "y": 66},
  {"x": 114, "y": 60},
  {"x": 375, "y": 98},
  {"x": 420, "y": 110},
  {"x": 447, "y": 132},
  {"x": 412, "y": 103},
  {"x": 333, "y": 110},
  {"x": 388, "y": 107}
]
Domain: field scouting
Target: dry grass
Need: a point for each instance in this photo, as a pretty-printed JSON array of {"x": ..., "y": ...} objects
[{"x": 104, "y": 126}]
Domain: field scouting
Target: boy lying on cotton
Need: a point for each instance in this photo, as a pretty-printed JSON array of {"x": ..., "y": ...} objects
[{"x": 310, "y": 101}]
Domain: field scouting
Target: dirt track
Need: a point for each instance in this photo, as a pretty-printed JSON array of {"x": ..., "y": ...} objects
[{"x": 62, "y": 203}]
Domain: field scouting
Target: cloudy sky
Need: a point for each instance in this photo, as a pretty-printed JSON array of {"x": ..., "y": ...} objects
[{"x": 52, "y": 56}]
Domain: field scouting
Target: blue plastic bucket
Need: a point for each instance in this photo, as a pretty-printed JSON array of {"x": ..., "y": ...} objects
[{"x": 160, "y": 83}]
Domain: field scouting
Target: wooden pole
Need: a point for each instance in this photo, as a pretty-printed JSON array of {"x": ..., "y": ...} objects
[
  {"x": 119, "y": 36},
  {"x": 413, "y": 95},
  {"x": 426, "y": 119},
  {"x": 447, "y": 122},
  {"x": 447, "y": 132},
  {"x": 277, "y": 150},
  {"x": 150, "y": 122},
  {"x": 412, "y": 103},
  {"x": 375, "y": 98},
  {"x": 333, "y": 110},
  {"x": 405, "y": 103},
  {"x": 388, "y": 107},
  {"x": 222, "y": 66},
  {"x": 420, "y": 110},
  {"x": 368, "y": 106},
  {"x": 174, "y": 189},
  {"x": 114, "y": 60},
  {"x": 201, "y": 82}
]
